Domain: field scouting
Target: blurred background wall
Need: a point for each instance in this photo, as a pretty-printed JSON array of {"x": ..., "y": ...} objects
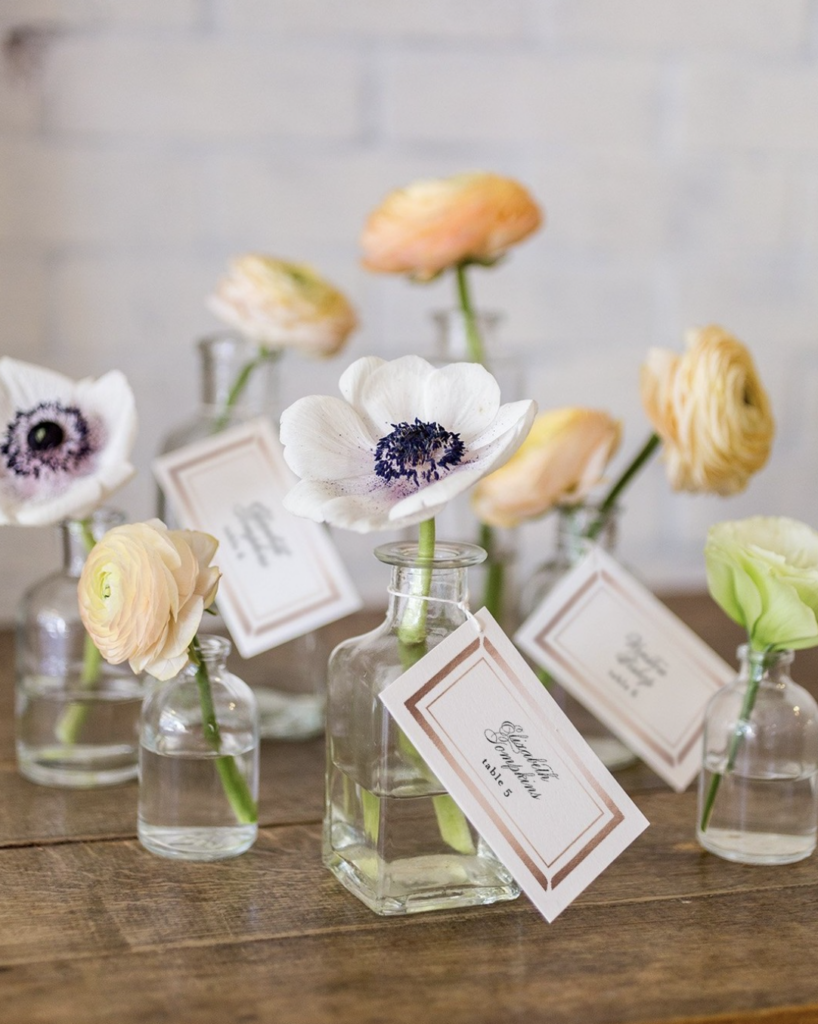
[{"x": 673, "y": 143}]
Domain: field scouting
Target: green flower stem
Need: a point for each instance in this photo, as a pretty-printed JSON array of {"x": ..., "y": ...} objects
[
  {"x": 73, "y": 717},
  {"x": 474, "y": 343},
  {"x": 610, "y": 499},
  {"x": 454, "y": 828},
  {"x": 240, "y": 383},
  {"x": 756, "y": 673},
  {"x": 234, "y": 783},
  {"x": 412, "y": 629},
  {"x": 495, "y": 572}
]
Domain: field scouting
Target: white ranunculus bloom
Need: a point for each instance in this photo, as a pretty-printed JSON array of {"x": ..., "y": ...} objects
[
  {"x": 64, "y": 445},
  {"x": 405, "y": 439}
]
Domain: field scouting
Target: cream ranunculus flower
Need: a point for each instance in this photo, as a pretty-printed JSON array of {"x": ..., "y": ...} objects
[
  {"x": 561, "y": 460},
  {"x": 283, "y": 305},
  {"x": 710, "y": 410},
  {"x": 405, "y": 439},
  {"x": 65, "y": 445},
  {"x": 763, "y": 572},
  {"x": 142, "y": 594},
  {"x": 433, "y": 224}
]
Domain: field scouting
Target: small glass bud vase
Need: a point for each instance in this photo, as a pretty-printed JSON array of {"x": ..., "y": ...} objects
[
  {"x": 76, "y": 716},
  {"x": 195, "y": 781},
  {"x": 573, "y": 526},
  {"x": 290, "y": 680},
  {"x": 758, "y": 790},
  {"x": 392, "y": 834}
]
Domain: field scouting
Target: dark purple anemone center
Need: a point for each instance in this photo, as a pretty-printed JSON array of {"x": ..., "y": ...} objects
[
  {"x": 417, "y": 451},
  {"x": 50, "y": 439}
]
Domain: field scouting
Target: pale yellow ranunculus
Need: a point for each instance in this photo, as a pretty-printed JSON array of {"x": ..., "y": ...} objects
[
  {"x": 561, "y": 460},
  {"x": 142, "y": 594},
  {"x": 437, "y": 223},
  {"x": 283, "y": 305},
  {"x": 710, "y": 410},
  {"x": 763, "y": 572}
]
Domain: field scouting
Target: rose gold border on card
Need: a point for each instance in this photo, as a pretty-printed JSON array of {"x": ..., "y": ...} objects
[
  {"x": 690, "y": 736},
  {"x": 178, "y": 474},
  {"x": 491, "y": 656}
]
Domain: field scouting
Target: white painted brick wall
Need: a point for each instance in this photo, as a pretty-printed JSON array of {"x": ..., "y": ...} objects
[{"x": 674, "y": 144}]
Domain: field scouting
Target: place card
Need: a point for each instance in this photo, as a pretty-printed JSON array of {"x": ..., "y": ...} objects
[
  {"x": 514, "y": 764},
  {"x": 281, "y": 575},
  {"x": 624, "y": 655}
]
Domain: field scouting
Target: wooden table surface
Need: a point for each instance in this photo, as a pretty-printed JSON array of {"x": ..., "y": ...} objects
[{"x": 95, "y": 929}]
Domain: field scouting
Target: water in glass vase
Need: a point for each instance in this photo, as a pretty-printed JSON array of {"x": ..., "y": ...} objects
[
  {"x": 777, "y": 822},
  {"x": 70, "y": 735},
  {"x": 183, "y": 809},
  {"x": 390, "y": 850}
]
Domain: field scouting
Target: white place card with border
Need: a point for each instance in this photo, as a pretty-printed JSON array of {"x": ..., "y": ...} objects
[
  {"x": 514, "y": 764},
  {"x": 281, "y": 575},
  {"x": 624, "y": 655}
]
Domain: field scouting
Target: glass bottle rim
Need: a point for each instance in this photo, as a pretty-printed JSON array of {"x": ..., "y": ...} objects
[
  {"x": 779, "y": 658},
  {"x": 214, "y": 646},
  {"x": 490, "y": 317},
  {"x": 589, "y": 506},
  {"x": 447, "y": 555},
  {"x": 233, "y": 339},
  {"x": 102, "y": 519}
]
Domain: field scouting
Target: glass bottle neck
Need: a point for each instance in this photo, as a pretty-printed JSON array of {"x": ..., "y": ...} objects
[
  {"x": 574, "y": 525},
  {"x": 238, "y": 377},
  {"x": 80, "y": 535},
  {"x": 444, "y": 592},
  {"x": 766, "y": 666},
  {"x": 214, "y": 651},
  {"x": 452, "y": 343}
]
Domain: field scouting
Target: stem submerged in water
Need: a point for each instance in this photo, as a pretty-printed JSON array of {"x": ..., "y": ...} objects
[
  {"x": 452, "y": 823},
  {"x": 234, "y": 783},
  {"x": 73, "y": 717},
  {"x": 756, "y": 674}
]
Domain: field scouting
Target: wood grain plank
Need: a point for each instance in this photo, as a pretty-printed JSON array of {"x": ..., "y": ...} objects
[
  {"x": 87, "y": 899},
  {"x": 291, "y": 789},
  {"x": 624, "y": 964}
]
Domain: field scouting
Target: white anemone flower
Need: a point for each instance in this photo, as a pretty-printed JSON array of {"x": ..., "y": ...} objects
[
  {"x": 405, "y": 439},
  {"x": 64, "y": 445}
]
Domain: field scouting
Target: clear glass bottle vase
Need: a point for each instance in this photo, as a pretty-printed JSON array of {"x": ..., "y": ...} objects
[
  {"x": 574, "y": 523},
  {"x": 76, "y": 716},
  {"x": 198, "y": 783},
  {"x": 392, "y": 834},
  {"x": 758, "y": 790},
  {"x": 494, "y": 582},
  {"x": 290, "y": 680}
]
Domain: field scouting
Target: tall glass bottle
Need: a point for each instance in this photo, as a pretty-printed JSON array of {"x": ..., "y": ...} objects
[
  {"x": 392, "y": 834},
  {"x": 494, "y": 582},
  {"x": 573, "y": 526},
  {"x": 76, "y": 716},
  {"x": 289, "y": 681},
  {"x": 197, "y": 783},
  {"x": 758, "y": 790}
]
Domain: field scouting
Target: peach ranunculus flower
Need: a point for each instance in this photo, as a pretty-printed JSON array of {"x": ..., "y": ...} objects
[
  {"x": 283, "y": 305},
  {"x": 710, "y": 410},
  {"x": 561, "y": 460},
  {"x": 142, "y": 594},
  {"x": 434, "y": 224}
]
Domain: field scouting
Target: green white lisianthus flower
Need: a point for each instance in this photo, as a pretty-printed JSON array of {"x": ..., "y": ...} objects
[
  {"x": 763, "y": 572},
  {"x": 64, "y": 445},
  {"x": 403, "y": 441}
]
